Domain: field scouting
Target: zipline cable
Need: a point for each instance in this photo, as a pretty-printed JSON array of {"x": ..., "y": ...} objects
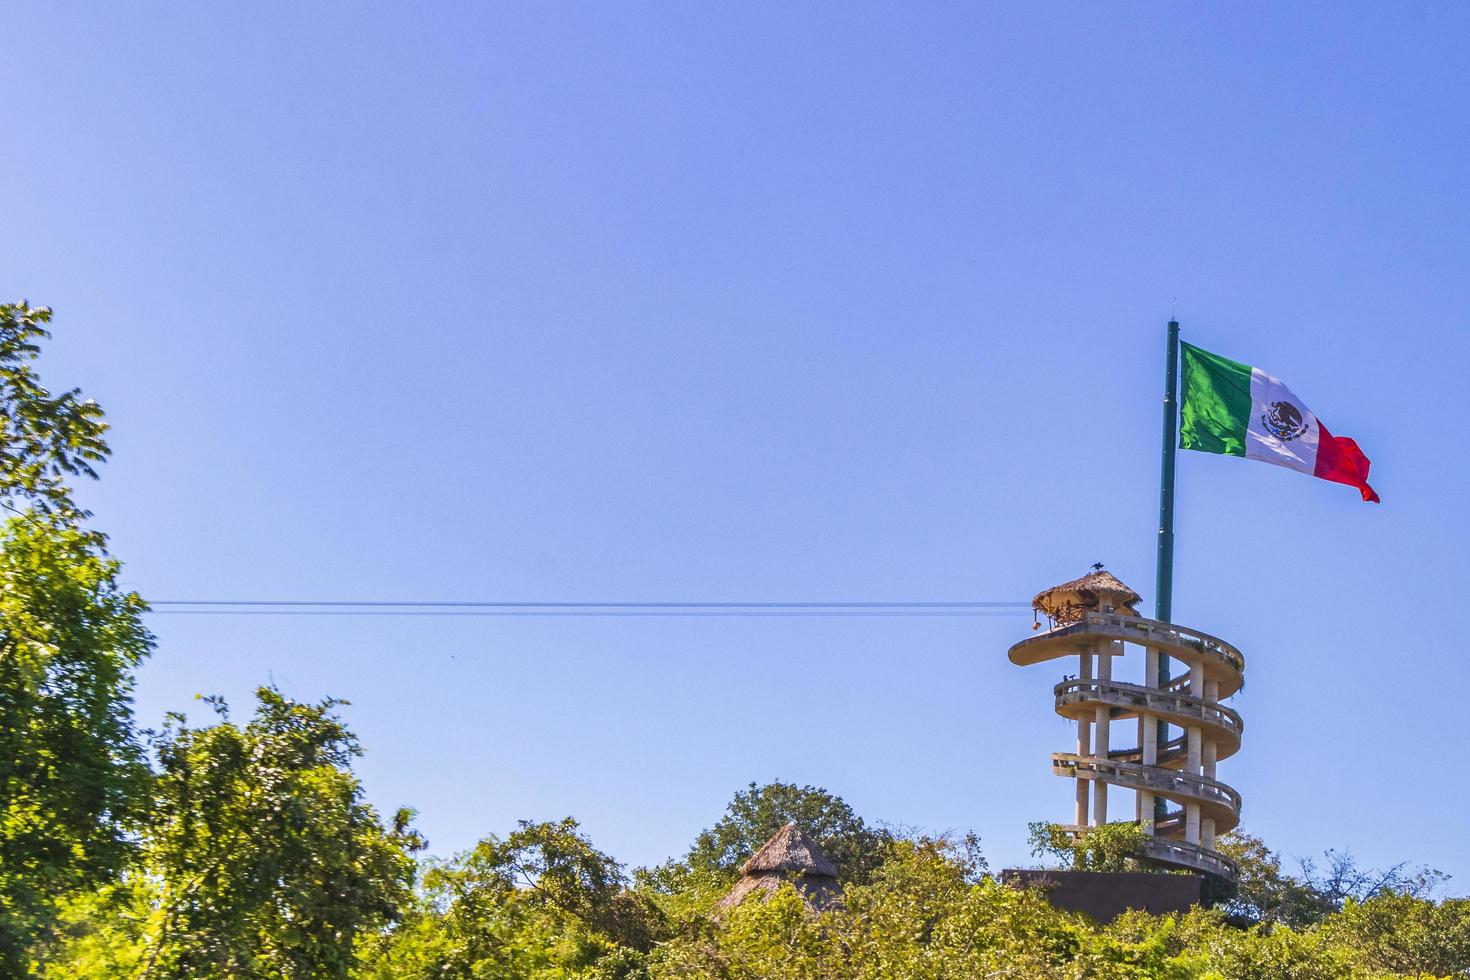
[
  {"x": 413, "y": 607},
  {"x": 605, "y": 613}
]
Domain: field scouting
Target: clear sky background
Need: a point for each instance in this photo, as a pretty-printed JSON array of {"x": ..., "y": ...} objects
[{"x": 754, "y": 301}]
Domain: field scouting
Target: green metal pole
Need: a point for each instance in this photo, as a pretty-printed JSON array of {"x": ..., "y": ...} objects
[
  {"x": 1164, "y": 585},
  {"x": 1164, "y": 582}
]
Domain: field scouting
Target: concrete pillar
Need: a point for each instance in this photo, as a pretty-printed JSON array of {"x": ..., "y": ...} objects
[
  {"x": 1197, "y": 679},
  {"x": 1084, "y": 749},
  {"x": 1208, "y": 758},
  {"x": 1150, "y": 746},
  {"x": 1143, "y": 723},
  {"x": 1148, "y": 739},
  {"x": 1191, "y": 766},
  {"x": 1161, "y": 661},
  {"x": 1084, "y": 741},
  {"x": 1101, "y": 738},
  {"x": 1099, "y": 802}
]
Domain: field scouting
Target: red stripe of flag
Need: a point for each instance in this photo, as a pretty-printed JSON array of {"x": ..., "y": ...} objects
[{"x": 1340, "y": 460}]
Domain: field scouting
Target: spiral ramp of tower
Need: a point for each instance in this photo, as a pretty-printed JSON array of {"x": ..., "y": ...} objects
[{"x": 1178, "y": 770}]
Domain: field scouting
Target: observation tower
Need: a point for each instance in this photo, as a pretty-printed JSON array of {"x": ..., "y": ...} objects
[{"x": 1182, "y": 730}]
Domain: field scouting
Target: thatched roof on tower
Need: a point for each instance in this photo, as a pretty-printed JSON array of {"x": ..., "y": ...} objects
[
  {"x": 1097, "y": 591},
  {"x": 789, "y": 856}
]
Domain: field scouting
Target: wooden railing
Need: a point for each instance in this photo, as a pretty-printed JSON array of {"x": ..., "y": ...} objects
[
  {"x": 1136, "y": 697},
  {"x": 1191, "y": 856},
  {"x": 1150, "y": 778},
  {"x": 1153, "y": 632}
]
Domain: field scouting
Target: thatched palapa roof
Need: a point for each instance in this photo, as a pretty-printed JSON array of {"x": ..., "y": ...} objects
[
  {"x": 789, "y": 856},
  {"x": 1097, "y": 590}
]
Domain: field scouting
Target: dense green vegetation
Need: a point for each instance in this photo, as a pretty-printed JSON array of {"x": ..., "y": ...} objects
[
  {"x": 72, "y": 768},
  {"x": 246, "y": 850}
]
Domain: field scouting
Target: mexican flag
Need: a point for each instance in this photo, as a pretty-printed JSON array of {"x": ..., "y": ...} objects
[{"x": 1238, "y": 410}]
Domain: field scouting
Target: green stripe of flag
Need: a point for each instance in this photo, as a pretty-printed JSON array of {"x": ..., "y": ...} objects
[{"x": 1215, "y": 406}]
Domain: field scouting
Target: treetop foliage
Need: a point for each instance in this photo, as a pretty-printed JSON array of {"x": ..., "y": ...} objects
[
  {"x": 259, "y": 858},
  {"x": 44, "y": 438},
  {"x": 756, "y": 813},
  {"x": 527, "y": 907},
  {"x": 1111, "y": 847},
  {"x": 73, "y": 777},
  {"x": 1268, "y": 893}
]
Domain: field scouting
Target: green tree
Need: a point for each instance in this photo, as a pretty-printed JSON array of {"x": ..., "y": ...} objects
[
  {"x": 1399, "y": 933},
  {"x": 542, "y": 903},
  {"x": 71, "y": 767},
  {"x": 72, "y": 773},
  {"x": 1111, "y": 847},
  {"x": 44, "y": 438},
  {"x": 260, "y": 858},
  {"x": 755, "y": 814},
  {"x": 1267, "y": 892},
  {"x": 919, "y": 916}
]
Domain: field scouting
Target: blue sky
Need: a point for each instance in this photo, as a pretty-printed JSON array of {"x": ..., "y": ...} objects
[{"x": 802, "y": 302}]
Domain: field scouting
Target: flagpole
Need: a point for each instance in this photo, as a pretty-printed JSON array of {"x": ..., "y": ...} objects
[{"x": 1164, "y": 582}]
